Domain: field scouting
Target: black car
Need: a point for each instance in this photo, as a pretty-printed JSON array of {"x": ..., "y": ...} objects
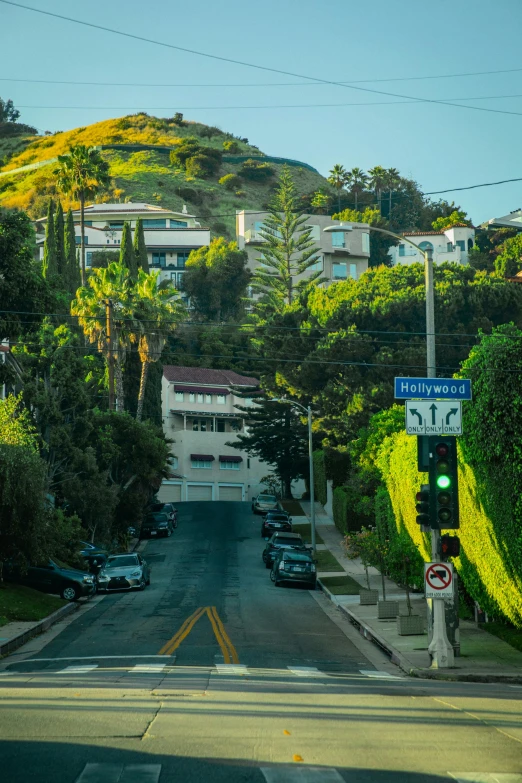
[
  {"x": 294, "y": 565},
  {"x": 94, "y": 555},
  {"x": 276, "y": 521},
  {"x": 156, "y": 525},
  {"x": 281, "y": 541},
  {"x": 168, "y": 509},
  {"x": 53, "y": 577}
]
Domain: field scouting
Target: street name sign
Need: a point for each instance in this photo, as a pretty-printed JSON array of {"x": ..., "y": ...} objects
[
  {"x": 440, "y": 417},
  {"x": 438, "y": 580},
  {"x": 432, "y": 389}
]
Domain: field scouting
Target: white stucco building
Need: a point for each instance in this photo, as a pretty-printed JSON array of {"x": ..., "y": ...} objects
[
  {"x": 200, "y": 417},
  {"x": 169, "y": 236},
  {"x": 453, "y": 245}
]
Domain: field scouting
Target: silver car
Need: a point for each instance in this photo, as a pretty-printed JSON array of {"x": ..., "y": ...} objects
[
  {"x": 264, "y": 503},
  {"x": 124, "y": 572}
]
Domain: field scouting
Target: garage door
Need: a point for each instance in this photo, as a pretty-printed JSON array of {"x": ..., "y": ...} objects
[
  {"x": 231, "y": 493},
  {"x": 169, "y": 493},
  {"x": 199, "y": 492}
]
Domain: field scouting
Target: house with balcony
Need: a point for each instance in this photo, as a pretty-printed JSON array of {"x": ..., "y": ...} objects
[
  {"x": 452, "y": 245},
  {"x": 200, "y": 417},
  {"x": 169, "y": 236},
  {"x": 340, "y": 255},
  {"x": 511, "y": 220}
]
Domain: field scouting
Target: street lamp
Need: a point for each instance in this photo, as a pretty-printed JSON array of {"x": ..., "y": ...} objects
[{"x": 308, "y": 412}]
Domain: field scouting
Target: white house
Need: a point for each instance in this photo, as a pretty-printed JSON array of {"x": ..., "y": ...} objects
[
  {"x": 453, "y": 244},
  {"x": 169, "y": 235},
  {"x": 512, "y": 220},
  {"x": 199, "y": 416}
]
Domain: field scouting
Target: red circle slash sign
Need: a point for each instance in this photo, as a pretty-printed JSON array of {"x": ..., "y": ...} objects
[{"x": 439, "y": 572}]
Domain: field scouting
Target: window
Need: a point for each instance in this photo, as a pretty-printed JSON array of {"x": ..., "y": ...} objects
[
  {"x": 208, "y": 398},
  {"x": 318, "y": 266},
  {"x": 462, "y": 244},
  {"x": 221, "y": 399},
  {"x": 156, "y": 223},
  {"x": 338, "y": 239},
  {"x": 88, "y": 259},
  {"x": 402, "y": 250},
  {"x": 87, "y": 222},
  {"x": 179, "y": 396},
  {"x": 159, "y": 259},
  {"x": 178, "y": 223},
  {"x": 192, "y": 397},
  {"x": 182, "y": 258},
  {"x": 248, "y": 463},
  {"x": 202, "y": 463},
  {"x": 470, "y": 243},
  {"x": 426, "y": 246},
  {"x": 203, "y": 425},
  {"x": 116, "y": 225},
  {"x": 220, "y": 425},
  {"x": 195, "y": 425},
  {"x": 78, "y": 240},
  {"x": 116, "y": 241},
  {"x": 173, "y": 462},
  {"x": 200, "y": 398},
  {"x": 229, "y": 465},
  {"x": 339, "y": 271},
  {"x": 315, "y": 232},
  {"x": 366, "y": 243},
  {"x": 353, "y": 271},
  {"x": 449, "y": 247}
]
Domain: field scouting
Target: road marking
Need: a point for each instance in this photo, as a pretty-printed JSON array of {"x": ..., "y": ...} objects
[
  {"x": 231, "y": 668},
  {"x": 379, "y": 675},
  {"x": 90, "y": 658},
  {"x": 183, "y": 632},
  {"x": 229, "y": 651},
  {"x": 227, "y": 648},
  {"x": 305, "y": 671},
  {"x": 301, "y": 775},
  {"x": 151, "y": 668},
  {"x": 486, "y": 777},
  {"x": 78, "y": 669},
  {"x": 6, "y": 674},
  {"x": 120, "y": 773}
]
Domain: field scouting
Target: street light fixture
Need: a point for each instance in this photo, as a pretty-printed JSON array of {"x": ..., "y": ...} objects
[{"x": 308, "y": 411}]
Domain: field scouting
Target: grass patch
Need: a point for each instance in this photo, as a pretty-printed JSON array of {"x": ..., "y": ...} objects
[
  {"x": 512, "y": 636},
  {"x": 327, "y": 562},
  {"x": 305, "y": 530},
  {"x": 293, "y": 507},
  {"x": 341, "y": 585},
  {"x": 20, "y": 603}
]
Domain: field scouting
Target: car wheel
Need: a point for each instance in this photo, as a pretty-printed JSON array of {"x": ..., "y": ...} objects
[
  {"x": 272, "y": 576},
  {"x": 142, "y": 585},
  {"x": 69, "y": 593}
]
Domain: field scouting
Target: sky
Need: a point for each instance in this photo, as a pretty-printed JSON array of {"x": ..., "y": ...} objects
[{"x": 377, "y": 46}]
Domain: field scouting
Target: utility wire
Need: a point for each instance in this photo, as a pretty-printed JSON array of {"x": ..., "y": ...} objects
[{"x": 246, "y": 64}]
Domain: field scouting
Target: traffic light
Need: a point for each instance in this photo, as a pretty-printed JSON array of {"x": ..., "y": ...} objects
[
  {"x": 444, "y": 489},
  {"x": 449, "y": 546},
  {"x": 423, "y": 505}
]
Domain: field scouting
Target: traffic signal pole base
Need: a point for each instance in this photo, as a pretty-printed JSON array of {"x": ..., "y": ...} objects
[{"x": 440, "y": 649}]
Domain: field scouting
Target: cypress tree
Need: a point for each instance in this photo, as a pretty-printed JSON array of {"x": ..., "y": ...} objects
[
  {"x": 60, "y": 243},
  {"x": 72, "y": 265},
  {"x": 140, "y": 249},
  {"x": 49, "y": 265},
  {"x": 127, "y": 256}
]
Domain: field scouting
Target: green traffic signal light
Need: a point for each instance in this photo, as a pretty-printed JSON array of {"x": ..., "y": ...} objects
[{"x": 443, "y": 482}]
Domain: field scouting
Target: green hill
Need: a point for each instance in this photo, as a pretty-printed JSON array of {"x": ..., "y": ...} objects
[{"x": 138, "y": 148}]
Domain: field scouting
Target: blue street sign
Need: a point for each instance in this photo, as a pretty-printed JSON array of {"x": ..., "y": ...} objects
[{"x": 432, "y": 389}]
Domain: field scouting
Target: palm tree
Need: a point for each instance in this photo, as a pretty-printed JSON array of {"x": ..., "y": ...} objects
[
  {"x": 157, "y": 310},
  {"x": 357, "y": 179},
  {"x": 338, "y": 178},
  {"x": 90, "y": 305},
  {"x": 392, "y": 180},
  {"x": 82, "y": 173},
  {"x": 378, "y": 182}
]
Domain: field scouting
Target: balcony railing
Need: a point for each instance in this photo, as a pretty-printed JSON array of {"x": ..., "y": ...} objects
[{"x": 252, "y": 236}]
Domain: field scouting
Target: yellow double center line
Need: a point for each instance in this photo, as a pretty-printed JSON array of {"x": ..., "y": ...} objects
[{"x": 227, "y": 648}]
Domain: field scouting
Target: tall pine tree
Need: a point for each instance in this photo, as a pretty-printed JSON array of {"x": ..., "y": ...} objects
[
  {"x": 127, "y": 255},
  {"x": 72, "y": 266},
  {"x": 140, "y": 249},
  {"x": 60, "y": 243},
  {"x": 50, "y": 265}
]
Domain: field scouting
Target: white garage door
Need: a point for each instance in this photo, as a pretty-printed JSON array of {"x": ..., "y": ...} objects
[
  {"x": 231, "y": 493},
  {"x": 199, "y": 492},
  {"x": 169, "y": 493}
]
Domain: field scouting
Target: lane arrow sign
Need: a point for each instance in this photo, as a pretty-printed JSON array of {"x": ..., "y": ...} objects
[
  {"x": 452, "y": 412},
  {"x": 433, "y": 409},
  {"x": 416, "y": 413}
]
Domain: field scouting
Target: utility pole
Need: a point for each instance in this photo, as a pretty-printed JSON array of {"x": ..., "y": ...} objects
[
  {"x": 108, "y": 313},
  {"x": 312, "y": 488},
  {"x": 440, "y": 649}
]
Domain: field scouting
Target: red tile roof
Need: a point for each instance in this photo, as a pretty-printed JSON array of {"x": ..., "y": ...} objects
[{"x": 204, "y": 375}]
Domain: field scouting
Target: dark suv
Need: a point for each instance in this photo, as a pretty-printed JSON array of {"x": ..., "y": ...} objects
[
  {"x": 294, "y": 565},
  {"x": 281, "y": 541},
  {"x": 276, "y": 521},
  {"x": 168, "y": 509},
  {"x": 53, "y": 577},
  {"x": 156, "y": 525}
]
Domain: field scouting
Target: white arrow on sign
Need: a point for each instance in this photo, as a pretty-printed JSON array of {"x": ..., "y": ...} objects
[{"x": 433, "y": 417}]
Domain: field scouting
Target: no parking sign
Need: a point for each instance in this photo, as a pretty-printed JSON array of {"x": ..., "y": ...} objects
[{"x": 438, "y": 580}]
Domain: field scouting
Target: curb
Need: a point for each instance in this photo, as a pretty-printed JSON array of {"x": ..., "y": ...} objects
[
  {"x": 402, "y": 662},
  {"x": 38, "y": 628}
]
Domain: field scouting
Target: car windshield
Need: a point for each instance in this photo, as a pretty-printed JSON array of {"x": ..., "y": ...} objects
[
  {"x": 280, "y": 541},
  {"x": 121, "y": 561},
  {"x": 152, "y": 518},
  {"x": 61, "y": 564},
  {"x": 277, "y": 518},
  {"x": 297, "y": 557},
  {"x": 267, "y": 499}
]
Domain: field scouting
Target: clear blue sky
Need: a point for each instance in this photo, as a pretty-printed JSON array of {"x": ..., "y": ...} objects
[{"x": 439, "y": 146}]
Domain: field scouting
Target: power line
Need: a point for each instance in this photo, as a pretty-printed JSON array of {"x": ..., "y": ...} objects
[{"x": 246, "y": 64}]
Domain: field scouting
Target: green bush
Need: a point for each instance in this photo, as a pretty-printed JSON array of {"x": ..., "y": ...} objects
[
  {"x": 320, "y": 477},
  {"x": 340, "y": 509},
  {"x": 255, "y": 171},
  {"x": 201, "y": 166},
  {"x": 230, "y": 181},
  {"x": 232, "y": 147}
]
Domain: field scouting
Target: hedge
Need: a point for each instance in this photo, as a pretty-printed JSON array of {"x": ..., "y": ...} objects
[
  {"x": 320, "y": 477},
  {"x": 340, "y": 509}
]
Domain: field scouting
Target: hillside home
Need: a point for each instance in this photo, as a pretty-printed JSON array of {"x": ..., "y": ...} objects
[
  {"x": 199, "y": 415},
  {"x": 453, "y": 244},
  {"x": 169, "y": 235},
  {"x": 512, "y": 220}
]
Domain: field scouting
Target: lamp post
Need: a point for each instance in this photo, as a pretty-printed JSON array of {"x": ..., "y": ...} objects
[{"x": 308, "y": 412}]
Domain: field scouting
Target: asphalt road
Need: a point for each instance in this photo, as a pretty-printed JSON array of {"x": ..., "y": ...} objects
[{"x": 213, "y": 674}]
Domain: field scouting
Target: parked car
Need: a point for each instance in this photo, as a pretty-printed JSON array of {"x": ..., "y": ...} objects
[
  {"x": 280, "y": 541},
  {"x": 166, "y": 508},
  {"x": 94, "y": 555},
  {"x": 294, "y": 565},
  {"x": 156, "y": 525},
  {"x": 263, "y": 503},
  {"x": 275, "y": 521},
  {"x": 53, "y": 577},
  {"x": 124, "y": 572}
]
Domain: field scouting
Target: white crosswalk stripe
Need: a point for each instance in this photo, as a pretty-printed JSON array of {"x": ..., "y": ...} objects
[
  {"x": 379, "y": 675},
  {"x": 231, "y": 668},
  {"x": 300, "y": 774},
  {"x": 83, "y": 669},
  {"x": 305, "y": 671},
  {"x": 120, "y": 773},
  {"x": 148, "y": 668},
  {"x": 486, "y": 777}
]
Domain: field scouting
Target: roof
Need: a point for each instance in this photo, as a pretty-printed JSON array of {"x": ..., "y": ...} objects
[
  {"x": 204, "y": 375},
  {"x": 128, "y": 207},
  {"x": 434, "y": 233}
]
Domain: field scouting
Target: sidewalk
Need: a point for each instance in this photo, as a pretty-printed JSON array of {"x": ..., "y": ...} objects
[{"x": 484, "y": 657}]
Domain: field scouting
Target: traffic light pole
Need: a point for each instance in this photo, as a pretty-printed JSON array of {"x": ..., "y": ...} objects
[{"x": 440, "y": 649}]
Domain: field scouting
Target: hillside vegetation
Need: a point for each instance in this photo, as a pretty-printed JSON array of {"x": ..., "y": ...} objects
[{"x": 147, "y": 175}]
